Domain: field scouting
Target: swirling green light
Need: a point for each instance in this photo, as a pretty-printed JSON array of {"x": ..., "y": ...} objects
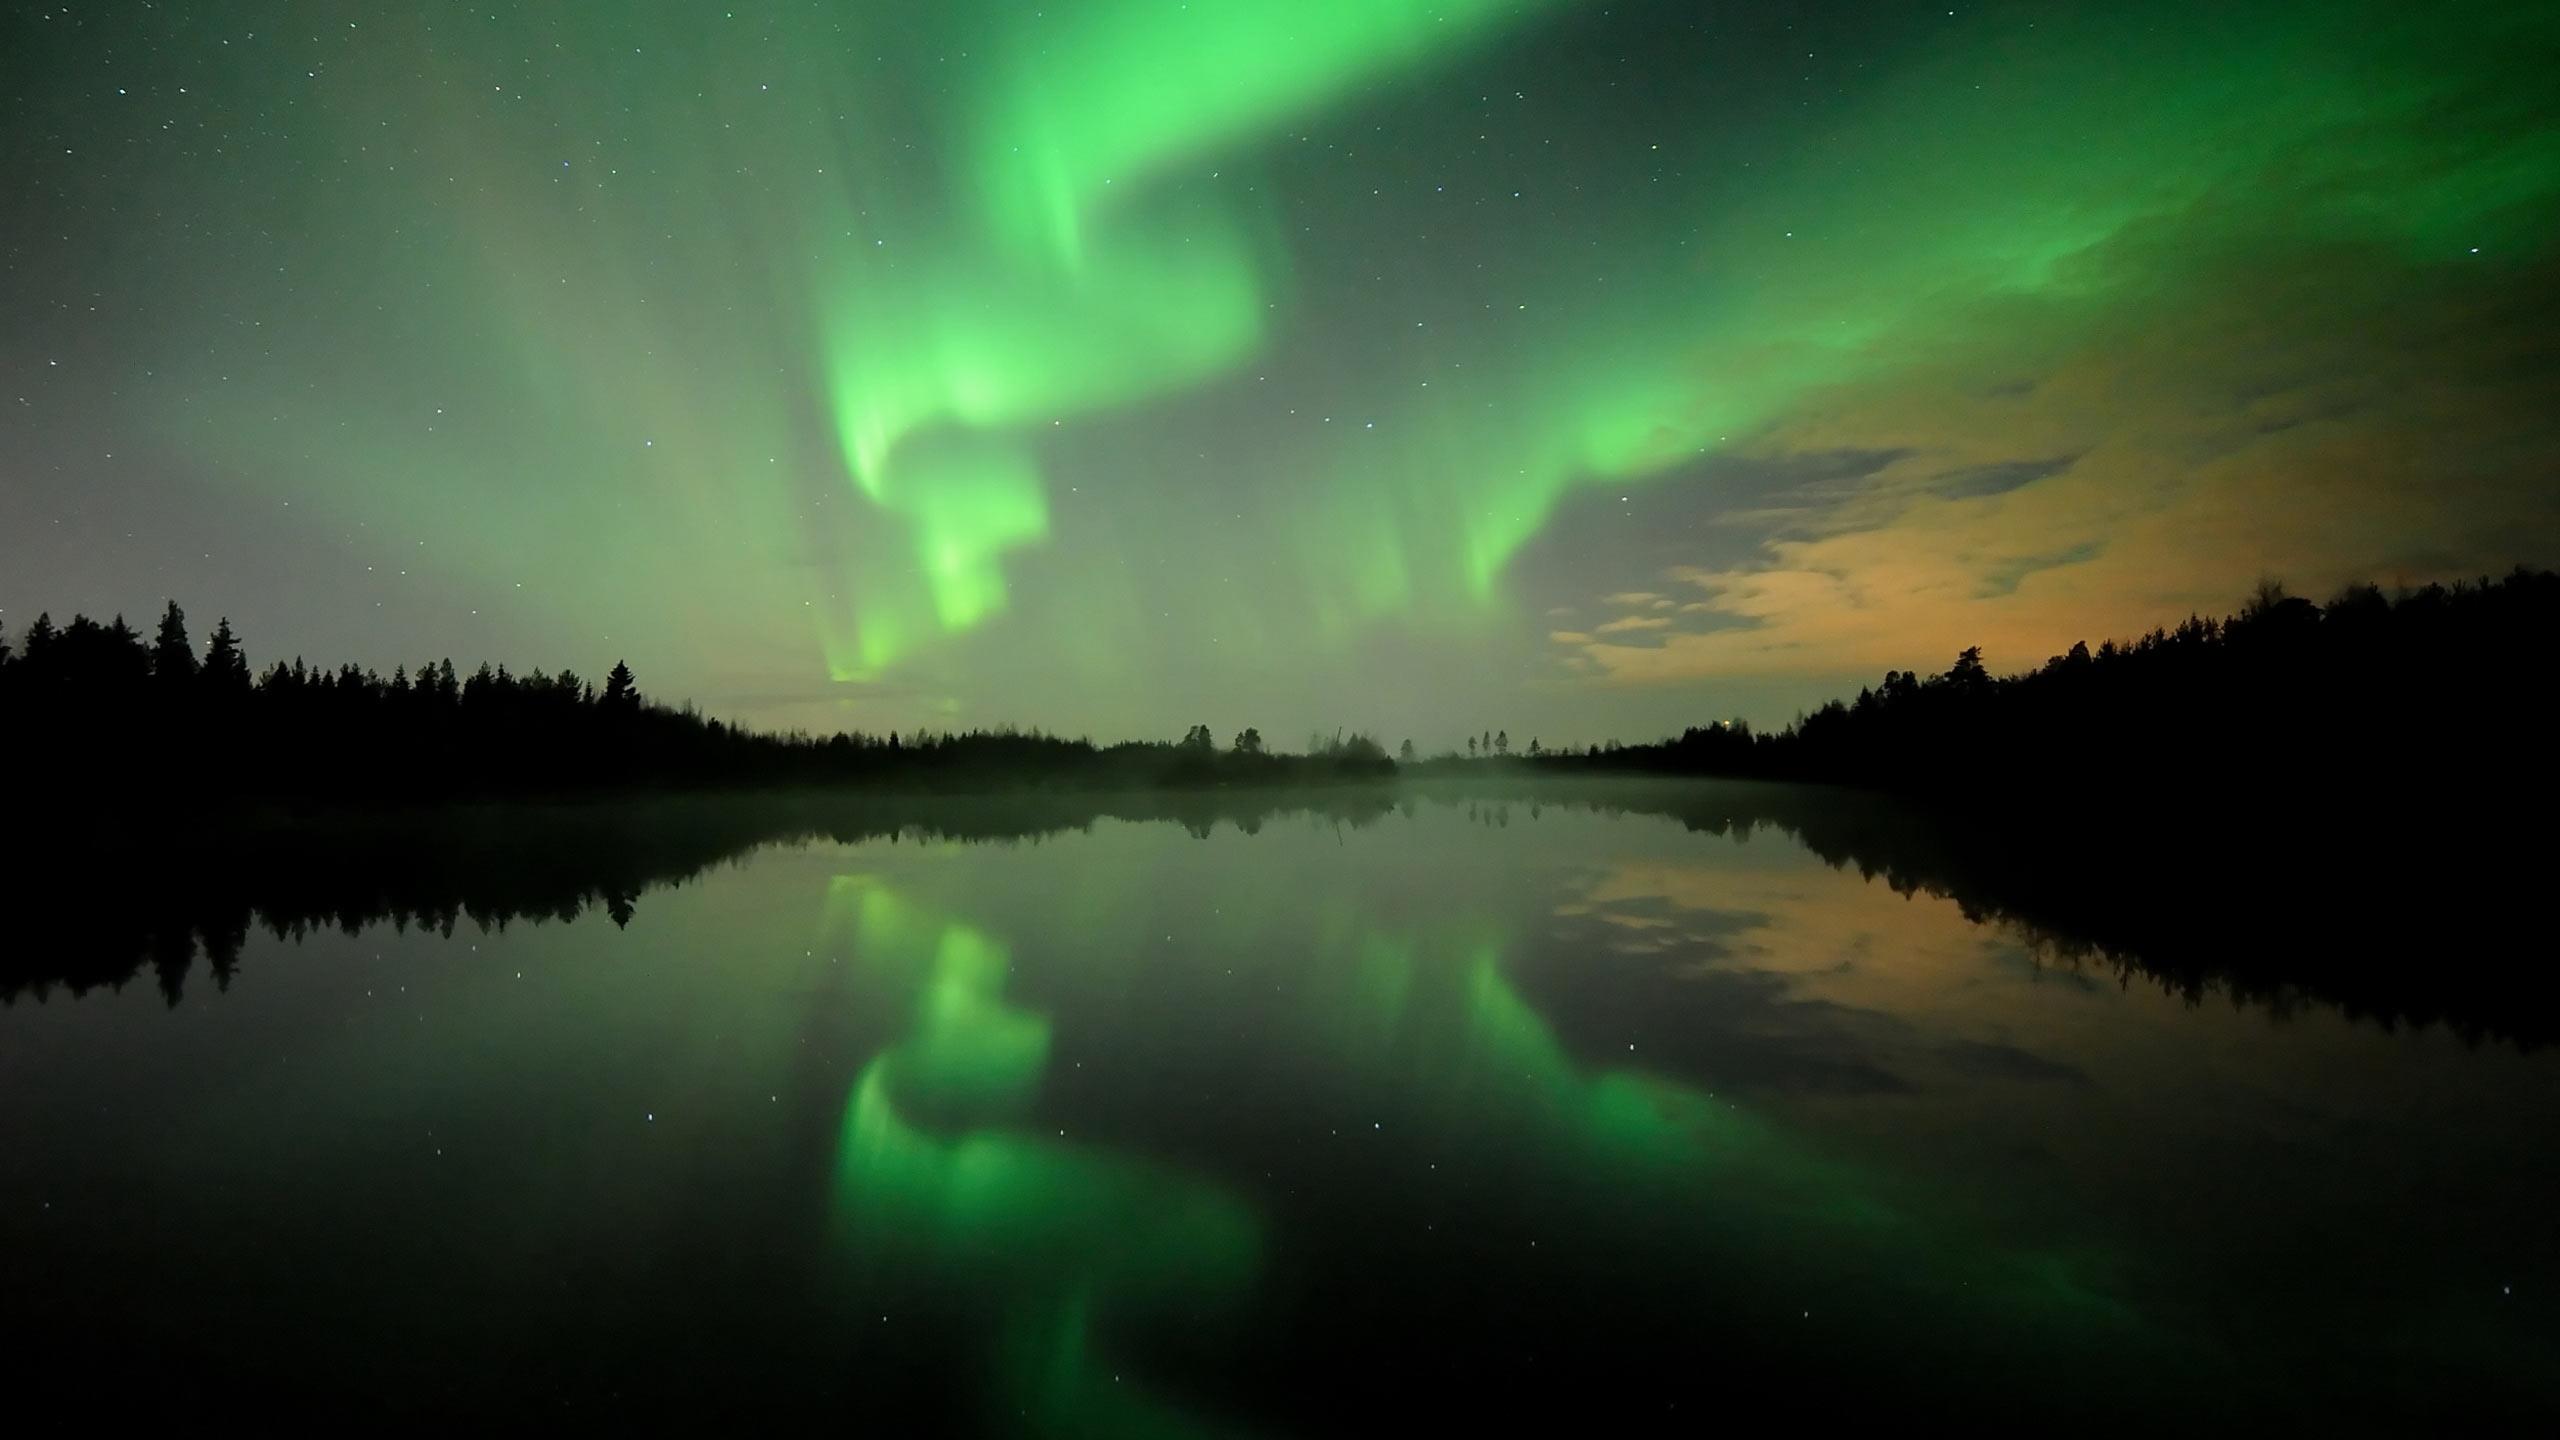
[
  {"x": 845, "y": 315},
  {"x": 1071, "y": 281},
  {"x": 1986, "y": 196}
]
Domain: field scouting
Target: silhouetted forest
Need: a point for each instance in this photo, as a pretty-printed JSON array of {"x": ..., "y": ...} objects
[
  {"x": 2354, "y": 702},
  {"x": 2376, "y": 700},
  {"x": 2185, "y": 909},
  {"x": 114, "y": 716}
]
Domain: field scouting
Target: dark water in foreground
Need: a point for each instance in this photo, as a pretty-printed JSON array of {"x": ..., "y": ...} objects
[{"x": 1467, "y": 1109}]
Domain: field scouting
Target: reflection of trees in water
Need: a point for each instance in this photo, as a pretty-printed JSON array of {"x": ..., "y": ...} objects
[
  {"x": 164, "y": 897},
  {"x": 1082, "y": 1251},
  {"x": 2394, "y": 929},
  {"x": 2397, "y": 929}
]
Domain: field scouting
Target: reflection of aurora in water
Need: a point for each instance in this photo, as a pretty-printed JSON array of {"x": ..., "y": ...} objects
[
  {"x": 1078, "y": 1248},
  {"x": 1058, "y": 1232},
  {"x": 1404, "y": 1112}
]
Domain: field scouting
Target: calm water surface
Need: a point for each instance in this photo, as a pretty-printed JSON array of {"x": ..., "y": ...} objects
[{"x": 1473, "y": 1109}]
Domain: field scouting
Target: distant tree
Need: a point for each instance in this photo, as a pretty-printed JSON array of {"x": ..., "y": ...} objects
[
  {"x": 226, "y": 670},
  {"x": 1199, "y": 741},
  {"x": 2273, "y": 614},
  {"x": 173, "y": 660},
  {"x": 1404, "y": 753},
  {"x": 1533, "y": 747},
  {"x": 1471, "y": 747},
  {"x": 2358, "y": 604},
  {"x": 40, "y": 640},
  {"x": 621, "y": 692},
  {"x": 1968, "y": 673},
  {"x": 2265, "y": 599},
  {"x": 1249, "y": 742},
  {"x": 121, "y": 656},
  {"x": 1349, "y": 752},
  {"x": 1502, "y": 743},
  {"x": 1487, "y": 742}
]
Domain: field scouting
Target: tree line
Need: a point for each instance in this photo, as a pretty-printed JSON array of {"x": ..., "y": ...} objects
[
  {"x": 2358, "y": 698},
  {"x": 116, "y": 715},
  {"x": 2283, "y": 699}
]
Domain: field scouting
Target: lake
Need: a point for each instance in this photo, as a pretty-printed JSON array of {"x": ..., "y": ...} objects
[{"x": 1604, "y": 1109}]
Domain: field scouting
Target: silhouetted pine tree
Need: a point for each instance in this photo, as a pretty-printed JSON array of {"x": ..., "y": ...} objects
[
  {"x": 173, "y": 660},
  {"x": 37, "y": 649},
  {"x": 226, "y": 669}
]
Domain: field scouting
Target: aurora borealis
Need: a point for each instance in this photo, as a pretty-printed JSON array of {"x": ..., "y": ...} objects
[{"x": 1412, "y": 365}]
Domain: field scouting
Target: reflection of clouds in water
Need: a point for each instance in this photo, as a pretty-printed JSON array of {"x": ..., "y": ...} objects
[
  {"x": 1786, "y": 974},
  {"x": 1725, "y": 1065},
  {"x": 1999, "y": 1060},
  {"x": 2065, "y": 1100},
  {"x": 1427, "y": 1023}
]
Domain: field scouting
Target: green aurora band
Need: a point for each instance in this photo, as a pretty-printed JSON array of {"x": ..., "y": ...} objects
[
  {"x": 1074, "y": 290},
  {"x": 1986, "y": 188},
  {"x": 837, "y": 315}
]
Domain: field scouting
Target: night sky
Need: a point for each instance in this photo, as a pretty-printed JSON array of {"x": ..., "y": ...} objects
[{"x": 1418, "y": 366}]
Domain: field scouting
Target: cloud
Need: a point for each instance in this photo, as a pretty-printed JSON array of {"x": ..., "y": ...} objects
[
  {"x": 2001, "y": 1060},
  {"x": 2327, "y": 358},
  {"x": 1998, "y": 477},
  {"x": 2324, "y": 415},
  {"x": 1625, "y": 623}
]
